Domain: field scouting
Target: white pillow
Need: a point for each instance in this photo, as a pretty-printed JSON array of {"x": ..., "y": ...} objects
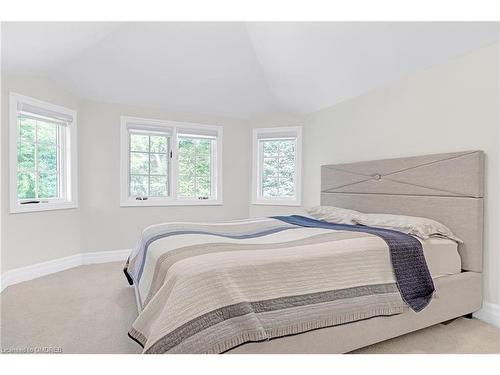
[
  {"x": 333, "y": 214},
  {"x": 415, "y": 226}
]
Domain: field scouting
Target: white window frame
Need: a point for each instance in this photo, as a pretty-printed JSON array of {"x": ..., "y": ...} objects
[
  {"x": 68, "y": 158},
  {"x": 277, "y": 132},
  {"x": 173, "y": 128}
]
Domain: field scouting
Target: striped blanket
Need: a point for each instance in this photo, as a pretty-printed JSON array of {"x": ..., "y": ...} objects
[{"x": 206, "y": 288}]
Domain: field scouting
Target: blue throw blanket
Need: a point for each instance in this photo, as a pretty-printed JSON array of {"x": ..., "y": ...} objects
[{"x": 412, "y": 275}]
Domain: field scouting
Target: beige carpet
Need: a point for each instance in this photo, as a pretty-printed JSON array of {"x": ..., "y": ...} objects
[{"x": 89, "y": 309}]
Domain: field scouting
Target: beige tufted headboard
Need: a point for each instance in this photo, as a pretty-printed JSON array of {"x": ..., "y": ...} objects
[{"x": 448, "y": 188}]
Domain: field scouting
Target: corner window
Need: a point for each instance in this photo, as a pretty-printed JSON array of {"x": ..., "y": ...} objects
[
  {"x": 42, "y": 156},
  {"x": 170, "y": 163},
  {"x": 277, "y": 166}
]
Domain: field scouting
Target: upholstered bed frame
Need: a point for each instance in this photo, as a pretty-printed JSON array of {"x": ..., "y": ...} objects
[{"x": 446, "y": 187}]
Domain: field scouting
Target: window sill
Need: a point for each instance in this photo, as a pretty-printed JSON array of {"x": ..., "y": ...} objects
[
  {"x": 152, "y": 203},
  {"x": 17, "y": 208},
  {"x": 276, "y": 203}
]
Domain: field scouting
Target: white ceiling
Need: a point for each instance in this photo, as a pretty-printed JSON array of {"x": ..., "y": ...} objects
[{"x": 232, "y": 69}]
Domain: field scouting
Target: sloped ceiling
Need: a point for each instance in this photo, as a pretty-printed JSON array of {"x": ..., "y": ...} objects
[{"x": 242, "y": 70}]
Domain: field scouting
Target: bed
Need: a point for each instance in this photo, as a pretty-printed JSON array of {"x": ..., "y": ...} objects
[{"x": 296, "y": 285}]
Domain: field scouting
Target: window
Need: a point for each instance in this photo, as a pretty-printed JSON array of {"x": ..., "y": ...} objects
[
  {"x": 170, "y": 163},
  {"x": 195, "y": 166},
  {"x": 149, "y": 159},
  {"x": 277, "y": 166},
  {"x": 42, "y": 156}
]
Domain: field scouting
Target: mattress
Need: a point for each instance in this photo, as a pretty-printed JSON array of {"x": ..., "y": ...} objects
[
  {"x": 442, "y": 257},
  {"x": 209, "y": 287}
]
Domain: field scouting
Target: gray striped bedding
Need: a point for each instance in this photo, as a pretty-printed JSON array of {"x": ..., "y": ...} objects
[{"x": 206, "y": 288}]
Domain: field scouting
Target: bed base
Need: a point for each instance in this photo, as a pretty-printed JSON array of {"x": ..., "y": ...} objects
[{"x": 456, "y": 296}]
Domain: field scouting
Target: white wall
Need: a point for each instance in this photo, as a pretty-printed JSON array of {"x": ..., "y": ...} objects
[
  {"x": 29, "y": 238},
  {"x": 99, "y": 223},
  {"x": 106, "y": 225},
  {"x": 451, "y": 107}
]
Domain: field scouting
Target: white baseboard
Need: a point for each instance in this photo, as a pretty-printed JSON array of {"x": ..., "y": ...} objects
[
  {"x": 105, "y": 256},
  {"x": 34, "y": 271},
  {"x": 489, "y": 313}
]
